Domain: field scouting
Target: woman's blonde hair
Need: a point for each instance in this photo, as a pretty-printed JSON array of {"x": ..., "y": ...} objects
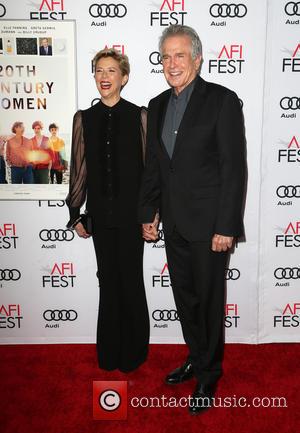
[{"x": 122, "y": 59}]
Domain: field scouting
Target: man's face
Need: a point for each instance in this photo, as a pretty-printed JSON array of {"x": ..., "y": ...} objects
[
  {"x": 53, "y": 131},
  {"x": 178, "y": 65},
  {"x": 45, "y": 43}
]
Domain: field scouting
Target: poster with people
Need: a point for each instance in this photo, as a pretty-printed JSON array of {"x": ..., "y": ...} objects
[{"x": 38, "y": 101}]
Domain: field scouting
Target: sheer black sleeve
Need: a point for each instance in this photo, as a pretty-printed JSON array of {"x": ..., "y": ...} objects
[{"x": 78, "y": 173}]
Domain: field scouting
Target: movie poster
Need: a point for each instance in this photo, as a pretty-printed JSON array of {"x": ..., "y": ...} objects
[{"x": 38, "y": 101}]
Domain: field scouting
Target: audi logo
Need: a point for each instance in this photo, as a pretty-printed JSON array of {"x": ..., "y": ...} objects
[
  {"x": 228, "y": 10},
  {"x": 9, "y": 275},
  {"x": 56, "y": 235},
  {"x": 292, "y": 8},
  {"x": 57, "y": 315},
  {"x": 232, "y": 274},
  {"x": 155, "y": 58},
  {"x": 287, "y": 273},
  {"x": 292, "y": 103},
  {"x": 161, "y": 236},
  {"x": 2, "y": 10},
  {"x": 107, "y": 10},
  {"x": 165, "y": 315},
  {"x": 288, "y": 191}
]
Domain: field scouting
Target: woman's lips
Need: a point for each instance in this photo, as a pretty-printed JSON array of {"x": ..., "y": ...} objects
[{"x": 105, "y": 85}]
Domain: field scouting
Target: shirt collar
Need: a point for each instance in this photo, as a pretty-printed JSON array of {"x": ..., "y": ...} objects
[{"x": 185, "y": 94}]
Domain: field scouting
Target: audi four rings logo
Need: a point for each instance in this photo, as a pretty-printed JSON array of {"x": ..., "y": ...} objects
[
  {"x": 292, "y": 8},
  {"x": 287, "y": 273},
  {"x": 288, "y": 191},
  {"x": 231, "y": 10},
  {"x": 292, "y": 103},
  {"x": 232, "y": 274},
  {"x": 2, "y": 10},
  {"x": 107, "y": 10},
  {"x": 9, "y": 275},
  {"x": 56, "y": 235},
  {"x": 161, "y": 235},
  {"x": 155, "y": 58},
  {"x": 57, "y": 315},
  {"x": 165, "y": 315}
]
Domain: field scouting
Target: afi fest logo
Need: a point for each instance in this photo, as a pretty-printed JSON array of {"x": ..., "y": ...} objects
[
  {"x": 51, "y": 203},
  {"x": 170, "y": 12},
  {"x": 8, "y": 236},
  {"x": 10, "y": 316},
  {"x": 290, "y": 237},
  {"x": 230, "y": 60},
  {"x": 291, "y": 152},
  {"x": 162, "y": 279},
  {"x": 231, "y": 316},
  {"x": 60, "y": 276},
  {"x": 290, "y": 317},
  {"x": 292, "y": 62},
  {"x": 48, "y": 10}
]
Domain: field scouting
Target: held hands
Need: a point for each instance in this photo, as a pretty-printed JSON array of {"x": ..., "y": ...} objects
[
  {"x": 221, "y": 243},
  {"x": 150, "y": 232},
  {"x": 80, "y": 230}
]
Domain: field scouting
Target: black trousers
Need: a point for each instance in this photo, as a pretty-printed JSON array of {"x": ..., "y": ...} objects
[
  {"x": 197, "y": 277},
  {"x": 123, "y": 319}
]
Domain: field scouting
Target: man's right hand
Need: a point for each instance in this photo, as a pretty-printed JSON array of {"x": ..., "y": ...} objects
[{"x": 80, "y": 230}]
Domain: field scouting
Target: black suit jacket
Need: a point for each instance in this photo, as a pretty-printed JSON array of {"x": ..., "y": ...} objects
[
  {"x": 43, "y": 51},
  {"x": 200, "y": 189}
]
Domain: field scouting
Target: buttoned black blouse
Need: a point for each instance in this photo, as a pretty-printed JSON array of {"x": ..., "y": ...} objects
[{"x": 107, "y": 162}]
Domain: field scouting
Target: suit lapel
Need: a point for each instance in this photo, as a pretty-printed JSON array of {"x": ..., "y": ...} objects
[
  {"x": 192, "y": 108},
  {"x": 161, "y": 114}
]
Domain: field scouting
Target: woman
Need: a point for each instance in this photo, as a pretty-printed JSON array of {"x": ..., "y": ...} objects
[
  {"x": 106, "y": 168},
  {"x": 18, "y": 155},
  {"x": 59, "y": 163},
  {"x": 41, "y": 144}
]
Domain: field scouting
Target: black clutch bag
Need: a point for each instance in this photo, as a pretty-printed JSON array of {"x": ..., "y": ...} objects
[{"x": 86, "y": 221}]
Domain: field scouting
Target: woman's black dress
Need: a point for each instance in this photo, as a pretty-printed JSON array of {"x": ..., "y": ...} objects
[{"x": 106, "y": 169}]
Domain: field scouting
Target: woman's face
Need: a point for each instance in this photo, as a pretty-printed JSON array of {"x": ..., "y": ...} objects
[
  {"x": 108, "y": 78},
  {"x": 20, "y": 129}
]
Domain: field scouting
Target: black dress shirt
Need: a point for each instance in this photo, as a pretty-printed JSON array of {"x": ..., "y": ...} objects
[{"x": 174, "y": 114}]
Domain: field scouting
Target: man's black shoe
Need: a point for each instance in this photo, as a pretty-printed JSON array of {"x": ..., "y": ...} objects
[
  {"x": 202, "y": 399},
  {"x": 180, "y": 374}
]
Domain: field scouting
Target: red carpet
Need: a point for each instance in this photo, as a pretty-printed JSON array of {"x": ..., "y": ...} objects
[{"x": 48, "y": 389}]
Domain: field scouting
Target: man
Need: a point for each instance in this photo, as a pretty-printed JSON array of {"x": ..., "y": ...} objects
[
  {"x": 45, "y": 48},
  {"x": 194, "y": 176}
]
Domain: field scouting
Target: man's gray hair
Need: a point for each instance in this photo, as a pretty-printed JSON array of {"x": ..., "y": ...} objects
[{"x": 179, "y": 30}]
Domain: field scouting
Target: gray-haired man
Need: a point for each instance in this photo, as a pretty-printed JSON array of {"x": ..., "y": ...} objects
[{"x": 194, "y": 176}]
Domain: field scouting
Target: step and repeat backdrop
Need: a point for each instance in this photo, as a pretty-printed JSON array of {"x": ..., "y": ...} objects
[{"x": 48, "y": 287}]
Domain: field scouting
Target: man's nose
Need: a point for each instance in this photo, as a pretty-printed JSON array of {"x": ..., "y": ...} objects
[{"x": 172, "y": 62}]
